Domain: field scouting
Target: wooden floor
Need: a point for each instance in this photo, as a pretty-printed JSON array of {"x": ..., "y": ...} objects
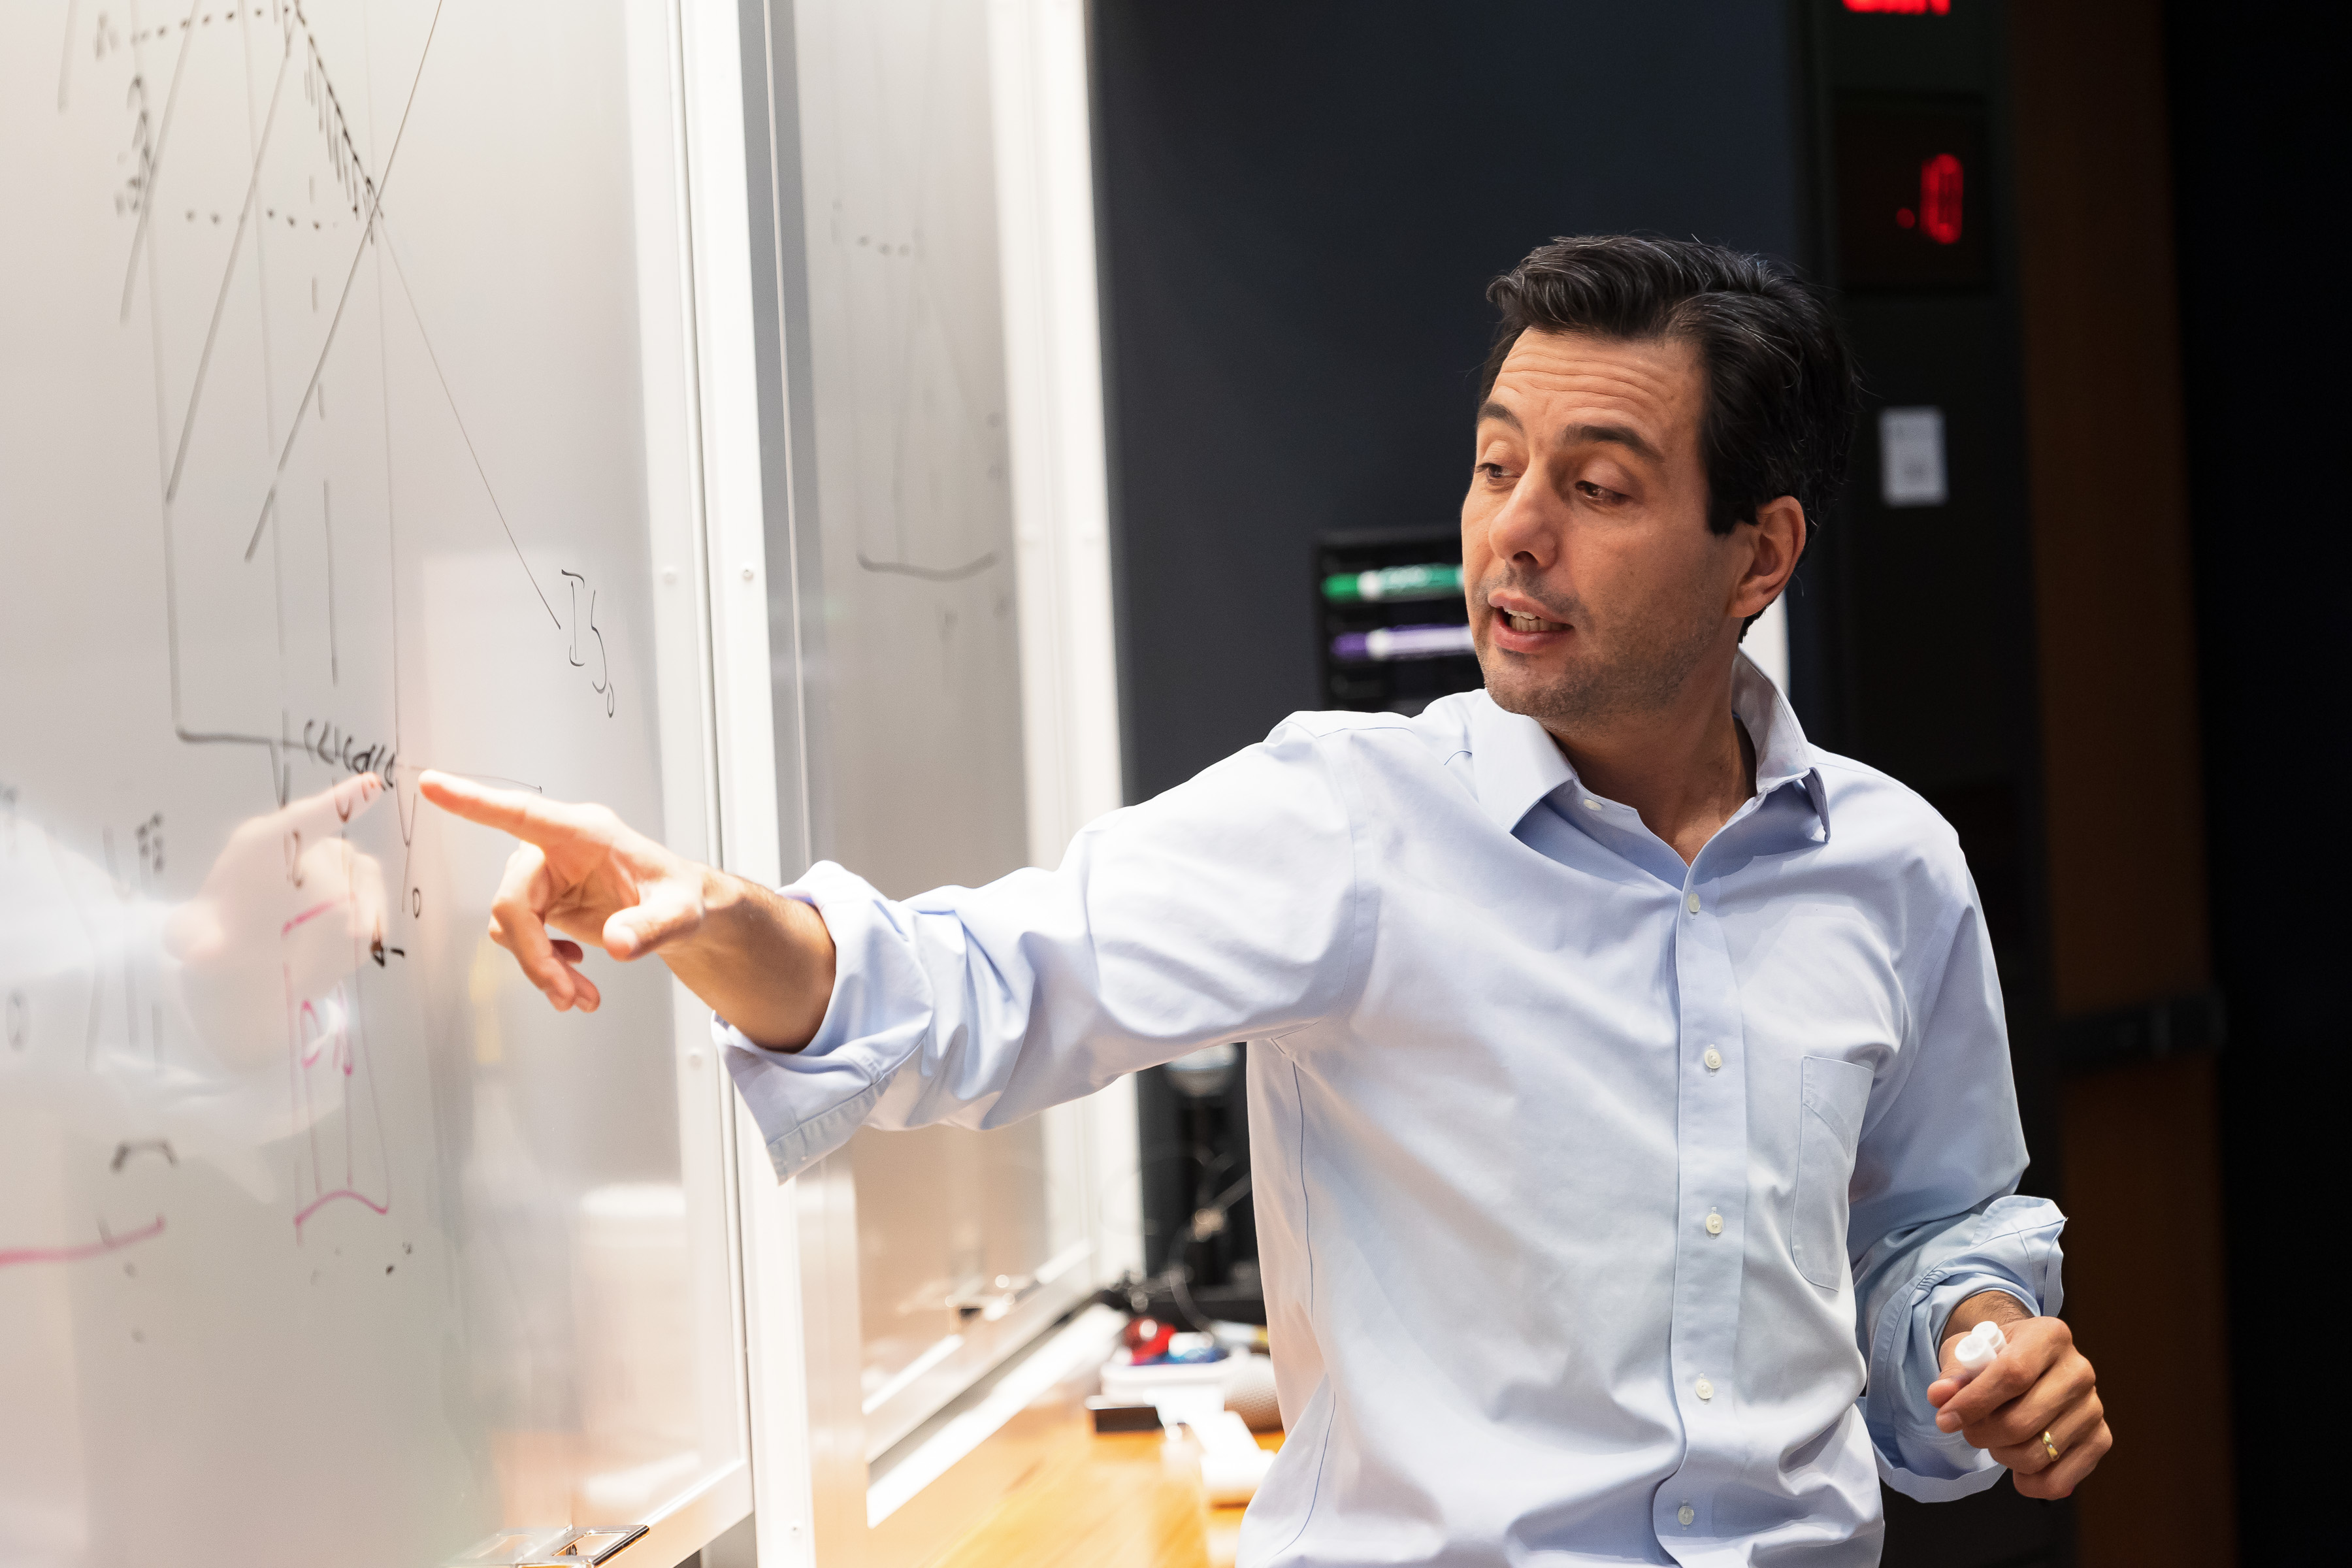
[{"x": 1126, "y": 1500}]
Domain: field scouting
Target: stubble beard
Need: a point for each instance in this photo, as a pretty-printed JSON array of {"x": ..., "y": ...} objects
[{"x": 1639, "y": 669}]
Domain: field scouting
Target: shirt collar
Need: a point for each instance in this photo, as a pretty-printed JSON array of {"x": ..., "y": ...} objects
[
  {"x": 1783, "y": 755},
  {"x": 1518, "y": 763}
]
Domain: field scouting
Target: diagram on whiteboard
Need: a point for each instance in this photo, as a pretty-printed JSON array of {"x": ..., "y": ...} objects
[
  {"x": 260, "y": 260},
  {"x": 323, "y": 463},
  {"x": 260, "y": 267}
]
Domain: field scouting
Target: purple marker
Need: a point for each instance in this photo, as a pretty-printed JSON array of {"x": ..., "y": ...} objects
[{"x": 1403, "y": 642}]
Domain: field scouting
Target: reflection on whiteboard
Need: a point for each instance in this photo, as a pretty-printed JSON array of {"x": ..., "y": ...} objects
[{"x": 324, "y": 464}]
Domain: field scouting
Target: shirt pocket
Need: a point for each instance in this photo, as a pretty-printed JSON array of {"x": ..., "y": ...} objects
[{"x": 1828, "y": 1129}]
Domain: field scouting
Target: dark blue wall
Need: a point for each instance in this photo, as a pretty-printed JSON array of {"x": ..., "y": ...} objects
[{"x": 1300, "y": 205}]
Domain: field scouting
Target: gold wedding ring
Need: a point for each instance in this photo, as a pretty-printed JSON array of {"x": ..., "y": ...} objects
[{"x": 2049, "y": 1445}]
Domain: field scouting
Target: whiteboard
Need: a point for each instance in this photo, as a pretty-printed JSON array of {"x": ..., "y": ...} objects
[
  {"x": 969, "y": 1244},
  {"x": 339, "y": 439},
  {"x": 957, "y": 1249}
]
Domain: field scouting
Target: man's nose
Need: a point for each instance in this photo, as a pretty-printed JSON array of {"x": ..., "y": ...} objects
[{"x": 1525, "y": 530}]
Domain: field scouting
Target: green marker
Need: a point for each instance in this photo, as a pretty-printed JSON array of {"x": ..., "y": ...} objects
[{"x": 1431, "y": 582}]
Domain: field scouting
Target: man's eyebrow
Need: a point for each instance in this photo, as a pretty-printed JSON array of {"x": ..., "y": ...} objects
[
  {"x": 1492, "y": 409},
  {"x": 1616, "y": 434}
]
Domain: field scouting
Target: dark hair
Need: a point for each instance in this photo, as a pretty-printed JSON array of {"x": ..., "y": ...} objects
[{"x": 1782, "y": 385}]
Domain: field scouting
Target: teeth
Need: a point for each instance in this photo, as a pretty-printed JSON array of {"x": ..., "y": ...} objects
[{"x": 1529, "y": 623}]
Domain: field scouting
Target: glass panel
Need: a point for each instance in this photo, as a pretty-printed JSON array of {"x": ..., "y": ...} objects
[
  {"x": 968, "y": 1243},
  {"x": 962, "y": 1256}
]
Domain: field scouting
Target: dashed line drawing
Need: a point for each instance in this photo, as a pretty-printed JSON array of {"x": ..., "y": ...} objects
[
  {"x": 152, "y": 161},
  {"x": 220, "y": 300},
  {"x": 373, "y": 188},
  {"x": 364, "y": 191}
]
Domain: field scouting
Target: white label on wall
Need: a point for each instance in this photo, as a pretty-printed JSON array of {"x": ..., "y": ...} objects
[{"x": 1911, "y": 457}]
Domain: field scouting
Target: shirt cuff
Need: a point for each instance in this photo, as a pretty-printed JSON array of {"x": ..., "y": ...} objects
[
  {"x": 2016, "y": 1252},
  {"x": 807, "y": 1102}
]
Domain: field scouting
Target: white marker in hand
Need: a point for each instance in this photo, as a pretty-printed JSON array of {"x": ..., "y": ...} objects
[{"x": 1977, "y": 1348}]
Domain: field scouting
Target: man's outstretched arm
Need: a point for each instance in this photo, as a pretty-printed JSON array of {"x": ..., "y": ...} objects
[
  {"x": 1225, "y": 909},
  {"x": 764, "y": 962}
]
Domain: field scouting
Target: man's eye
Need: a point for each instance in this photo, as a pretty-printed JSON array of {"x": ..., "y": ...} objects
[
  {"x": 1591, "y": 492},
  {"x": 1491, "y": 471}
]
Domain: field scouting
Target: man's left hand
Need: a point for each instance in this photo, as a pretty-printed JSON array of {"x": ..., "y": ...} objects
[{"x": 2039, "y": 1393}]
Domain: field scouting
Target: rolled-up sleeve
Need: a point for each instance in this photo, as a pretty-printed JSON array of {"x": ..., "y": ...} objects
[
  {"x": 1223, "y": 909},
  {"x": 1935, "y": 1218}
]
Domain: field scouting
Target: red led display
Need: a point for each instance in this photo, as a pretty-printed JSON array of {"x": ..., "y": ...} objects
[
  {"x": 1939, "y": 199},
  {"x": 1903, "y": 7},
  {"x": 1904, "y": 173}
]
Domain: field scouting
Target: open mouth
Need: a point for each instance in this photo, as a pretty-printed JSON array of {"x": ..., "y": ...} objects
[{"x": 1519, "y": 623}]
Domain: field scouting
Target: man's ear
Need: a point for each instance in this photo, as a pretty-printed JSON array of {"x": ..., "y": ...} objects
[{"x": 1777, "y": 543}]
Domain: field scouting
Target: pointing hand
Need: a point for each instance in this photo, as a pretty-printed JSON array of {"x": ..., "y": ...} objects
[
  {"x": 582, "y": 871},
  {"x": 763, "y": 962}
]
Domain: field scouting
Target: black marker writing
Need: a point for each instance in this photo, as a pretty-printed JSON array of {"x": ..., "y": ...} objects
[
  {"x": 336, "y": 747},
  {"x": 133, "y": 193},
  {"x": 603, "y": 684},
  {"x": 122, "y": 1151}
]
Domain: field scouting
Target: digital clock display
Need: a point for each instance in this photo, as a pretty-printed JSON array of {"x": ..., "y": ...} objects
[{"x": 1911, "y": 194}]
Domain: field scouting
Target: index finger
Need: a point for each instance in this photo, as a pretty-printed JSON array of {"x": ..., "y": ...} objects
[
  {"x": 533, "y": 818},
  {"x": 2013, "y": 1373}
]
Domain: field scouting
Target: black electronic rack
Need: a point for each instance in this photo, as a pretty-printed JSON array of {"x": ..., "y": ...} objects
[{"x": 1400, "y": 670}]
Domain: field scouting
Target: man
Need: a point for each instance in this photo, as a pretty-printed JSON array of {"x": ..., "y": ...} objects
[{"x": 1630, "y": 1098}]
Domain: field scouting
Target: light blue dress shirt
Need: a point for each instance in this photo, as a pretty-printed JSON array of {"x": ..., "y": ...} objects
[{"x": 1608, "y": 1206}]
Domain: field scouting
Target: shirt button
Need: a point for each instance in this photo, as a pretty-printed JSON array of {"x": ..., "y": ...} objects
[
  {"x": 1704, "y": 1389},
  {"x": 1713, "y": 1059},
  {"x": 1691, "y": 903},
  {"x": 1714, "y": 1227},
  {"x": 1684, "y": 1514},
  {"x": 1593, "y": 806}
]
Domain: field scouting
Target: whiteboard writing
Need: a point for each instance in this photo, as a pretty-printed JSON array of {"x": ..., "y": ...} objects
[{"x": 322, "y": 462}]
